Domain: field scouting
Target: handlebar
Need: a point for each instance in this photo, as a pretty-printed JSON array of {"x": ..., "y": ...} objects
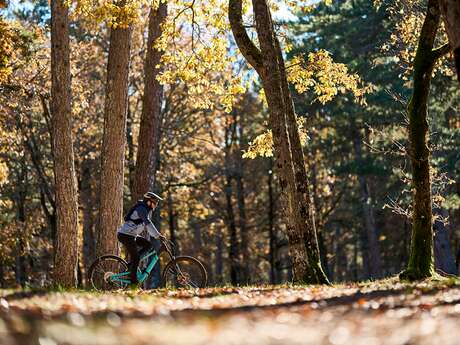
[{"x": 168, "y": 244}]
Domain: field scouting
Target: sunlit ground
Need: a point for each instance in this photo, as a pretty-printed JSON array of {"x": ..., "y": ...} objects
[{"x": 385, "y": 312}]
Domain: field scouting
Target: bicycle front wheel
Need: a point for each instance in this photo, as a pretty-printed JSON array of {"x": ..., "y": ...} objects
[
  {"x": 184, "y": 272},
  {"x": 102, "y": 270}
]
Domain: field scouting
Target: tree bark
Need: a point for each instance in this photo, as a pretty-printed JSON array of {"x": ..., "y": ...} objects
[
  {"x": 240, "y": 195},
  {"x": 271, "y": 226},
  {"x": 450, "y": 10},
  {"x": 87, "y": 202},
  {"x": 443, "y": 255},
  {"x": 172, "y": 220},
  {"x": 130, "y": 150},
  {"x": 149, "y": 130},
  {"x": 231, "y": 224},
  {"x": 304, "y": 204},
  {"x": 219, "y": 257},
  {"x": 66, "y": 251},
  {"x": 269, "y": 64},
  {"x": 421, "y": 260},
  {"x": 114, "y": 139}
]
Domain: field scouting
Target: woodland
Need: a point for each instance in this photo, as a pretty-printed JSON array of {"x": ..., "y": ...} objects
[{"x": 307, "y": 153}]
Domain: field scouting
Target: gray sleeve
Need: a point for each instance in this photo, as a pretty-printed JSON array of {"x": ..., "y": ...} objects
[
  {"x": 143, "y": 213},
  {"x": 153, "y": 230}
]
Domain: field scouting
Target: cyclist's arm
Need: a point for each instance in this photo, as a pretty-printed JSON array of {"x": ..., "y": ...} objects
[{"x": 152, "y": 230}]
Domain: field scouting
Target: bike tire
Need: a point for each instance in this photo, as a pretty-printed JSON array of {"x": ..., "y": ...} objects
[
  {"x": 200, "y": 279},
  {"x": 101, "y": 285}
]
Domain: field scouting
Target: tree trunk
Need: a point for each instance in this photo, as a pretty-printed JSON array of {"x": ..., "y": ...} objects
[
  {"x": 87, "y": 202},
  {"x": 269, "y": 65},
  {"x": 304, "y": 204},
  {"x": 315, "y": 205},
  {"x": 451, "y": 14},
  {"x": 421, "y": 261},
  {"x": 219, "y": 257},
  {"x": 130, "y": 150},
  {"x": 2, "y": 275},
  {"x": 240, "y": 195},
  {"x": 373, "y": 246},
  {"x": 149, "y": 130},
  {"x": 66, "y": 251},
  {"x": 114, "y": 138},
  {"x": 271, "y": 226},
  {"x": 233, "y": 250},
  {"x": 443, "y": 255},
  {"x": 172, "y": 220}
]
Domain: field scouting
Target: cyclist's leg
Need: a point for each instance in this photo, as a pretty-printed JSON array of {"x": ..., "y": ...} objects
[
  {"x": 144, "y": 244},
  {"x": 130, "y": 244}
]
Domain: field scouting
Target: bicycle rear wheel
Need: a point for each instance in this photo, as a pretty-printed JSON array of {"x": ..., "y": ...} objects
[
  {"x": 184, "y": 272},
  {"x": 103, "y": 268}
]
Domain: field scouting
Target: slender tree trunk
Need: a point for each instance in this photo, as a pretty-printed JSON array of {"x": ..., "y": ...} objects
[
  {"x": 172, "y": 221},
  {"x": 196, "y": 232},
  {"x": 149, "y": 130},
  {"x": 321, "y": 240},
  {"x": 373, "y": 246},
  {"x": 219, "y": 257},
  {"x": 364, "y": 246},
  {"x": 130, "y": 150},
  {"x": 271, "y": 226},
  {"x": 66, "y": 251},
  {"x": 240, "y": 194},
  {"x": 450, "y": 10},
  {"x": 269, "y": 65},
  {"x": 2, "y": 275},
  {"x": 114, "y": 139},
  {"x": 233, "y": 250},
  {"x": 443, "y": 255},
  {"x": 87, "y": 202},
  {"x": 421, "y": 261}
]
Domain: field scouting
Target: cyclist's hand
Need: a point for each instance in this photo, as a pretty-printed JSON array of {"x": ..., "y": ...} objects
[{"x": 163, "y": 238}]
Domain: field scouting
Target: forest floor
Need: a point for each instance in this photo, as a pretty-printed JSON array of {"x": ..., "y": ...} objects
[{"x": 383, "y": 312}]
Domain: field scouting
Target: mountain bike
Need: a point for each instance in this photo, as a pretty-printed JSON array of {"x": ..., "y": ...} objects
[{"x": 110, "y": 272}]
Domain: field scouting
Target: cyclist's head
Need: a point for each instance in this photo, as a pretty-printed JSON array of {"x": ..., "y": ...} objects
[{"x": 152, "y": 199}]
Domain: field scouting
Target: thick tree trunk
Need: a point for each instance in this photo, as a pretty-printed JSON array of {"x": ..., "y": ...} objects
[
  {"x": 373, "y": 246},
  {"x": 421, "y": 261},
  {"x": 304, "y": 202},
  {"x": 66, "y": 251},
  {"x": 269, "y": 65},
  {"x": 149, "y": 130},
  {"x": 114, "y": 139},
  {"x": 450, "y": 10}
]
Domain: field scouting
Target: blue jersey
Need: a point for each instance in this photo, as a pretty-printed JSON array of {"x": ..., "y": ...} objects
[{"x": 138, "y": 219}]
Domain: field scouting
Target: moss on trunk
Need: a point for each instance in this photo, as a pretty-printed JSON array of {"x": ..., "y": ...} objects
[{"x": 421, "y": 260}]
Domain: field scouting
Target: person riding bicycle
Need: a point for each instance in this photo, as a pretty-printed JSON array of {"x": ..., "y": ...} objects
[{"x": 136, "y": 220}]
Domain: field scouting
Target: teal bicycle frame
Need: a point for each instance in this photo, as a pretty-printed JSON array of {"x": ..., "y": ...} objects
[{"x": 141, "y": 276}]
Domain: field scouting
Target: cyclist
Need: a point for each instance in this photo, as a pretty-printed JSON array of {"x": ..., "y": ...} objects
[{"x": 136, "y": 220}]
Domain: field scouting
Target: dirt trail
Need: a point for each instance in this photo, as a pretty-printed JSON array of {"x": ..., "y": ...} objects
[{"x": 379, "y": 313}]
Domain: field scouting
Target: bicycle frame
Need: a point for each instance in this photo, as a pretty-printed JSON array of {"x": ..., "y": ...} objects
[{"x": 141, "y": 276}]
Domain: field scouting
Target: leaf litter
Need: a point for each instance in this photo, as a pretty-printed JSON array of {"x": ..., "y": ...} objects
[{"x": 382, "y": 312}]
